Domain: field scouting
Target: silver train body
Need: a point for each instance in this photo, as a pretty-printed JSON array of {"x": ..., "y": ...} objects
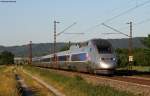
[{"x": 94, "y": 56}]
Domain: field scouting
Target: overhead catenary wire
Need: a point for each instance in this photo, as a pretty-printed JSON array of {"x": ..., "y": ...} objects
[
  {"x": 127, "y": 11},
  {"x": 143, "y": 21},
  {"x": 136, "y": 24},
  {"x": 114, "y": 17},
  {"x": 74, "y": 33},
  {"x": 115, "y": 30},
  {"x": 66, "y": 29},
  {"x": 118, "y": 8}
]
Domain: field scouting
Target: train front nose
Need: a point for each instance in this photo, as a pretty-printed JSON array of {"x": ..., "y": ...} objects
[
  {"x": 107, "y": 63},
  {"x": 106, "y": 68}
]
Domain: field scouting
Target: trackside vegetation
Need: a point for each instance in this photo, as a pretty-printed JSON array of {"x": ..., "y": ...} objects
[
  {"x": 140, "y": 58},
  {"x": 74, "y": 86},
  {"x": 7, "y": 82},
  {"x": 141, "y": 55},
  {"x": 6, "y": 58}
]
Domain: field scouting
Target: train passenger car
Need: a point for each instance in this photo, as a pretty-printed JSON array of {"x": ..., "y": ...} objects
[{"x": 94, "y": 56}]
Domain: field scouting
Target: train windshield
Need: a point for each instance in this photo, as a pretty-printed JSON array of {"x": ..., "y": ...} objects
[
  {"x": 103, "y": 46},
  {"x": 104, "y": 49}
]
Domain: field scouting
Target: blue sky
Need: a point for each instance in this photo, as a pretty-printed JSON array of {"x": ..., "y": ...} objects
[{"x": 32, "y": 20}]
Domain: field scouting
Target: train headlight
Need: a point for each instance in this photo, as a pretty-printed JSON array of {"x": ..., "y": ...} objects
[
  {"x": 103, "y": 65},
  {"x": 113, "y": 59}
]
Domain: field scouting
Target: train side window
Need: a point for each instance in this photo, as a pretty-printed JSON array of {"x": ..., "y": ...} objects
[
  {"x": 46, "y": 60},
  {"x": 79, "y": 57},
  {"x": 63, "y": 58}
]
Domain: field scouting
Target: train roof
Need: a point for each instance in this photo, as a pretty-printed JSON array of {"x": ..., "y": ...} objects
[
  {"x": 101, "y": 42},
  {"x": 95, "y": 39},
  {"x": 78, "y": 47}
]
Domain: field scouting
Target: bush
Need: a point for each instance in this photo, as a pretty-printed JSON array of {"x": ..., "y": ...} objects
[{"x": 6, "y": 58}]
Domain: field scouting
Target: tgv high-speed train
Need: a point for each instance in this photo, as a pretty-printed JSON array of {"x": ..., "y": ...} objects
[{"x": 93, "y": 56}]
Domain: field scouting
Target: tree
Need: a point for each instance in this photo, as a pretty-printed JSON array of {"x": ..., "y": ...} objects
[
  {"x": 6, "y": 58},
  {"x": 122, "y": 57},
  {"x": 141, "y": 57},
  {"x": 146, "y": 41},
  {"x": 66, "y": 47}
]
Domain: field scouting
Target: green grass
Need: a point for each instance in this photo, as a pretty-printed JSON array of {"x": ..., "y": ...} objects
[
  {"x": 75, "y": 86},
  {"x": 141, "y": 68},
  {"x": 137, "y": 68}
]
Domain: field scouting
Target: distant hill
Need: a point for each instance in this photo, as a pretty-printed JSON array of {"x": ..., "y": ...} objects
[
  {"x": 40, "y": 49},
  {"x": 123, "y": 43}
]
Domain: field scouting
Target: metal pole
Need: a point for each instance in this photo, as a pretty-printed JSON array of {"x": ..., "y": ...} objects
[
  {"x": 130, "y": 47},
  {"x": 55, "y": 57},
  {"x": 130, "y": 43}
]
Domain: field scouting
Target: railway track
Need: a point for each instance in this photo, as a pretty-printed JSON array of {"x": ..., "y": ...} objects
[
  {"x": 137, "y": 85},
  {"x": 141, "y": 81},
  {"x": 142, "y": 76},
  {"x": 134, "y": 80}
]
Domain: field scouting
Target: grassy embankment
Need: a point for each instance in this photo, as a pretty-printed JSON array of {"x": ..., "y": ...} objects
[
  {"x": 36, "y": 88},
  {"x": 141, "y": 68},
  {"x": 74, "y": 86},
  {"x": 137, "y": 68},
  {"x": 7, "y": 82}
]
